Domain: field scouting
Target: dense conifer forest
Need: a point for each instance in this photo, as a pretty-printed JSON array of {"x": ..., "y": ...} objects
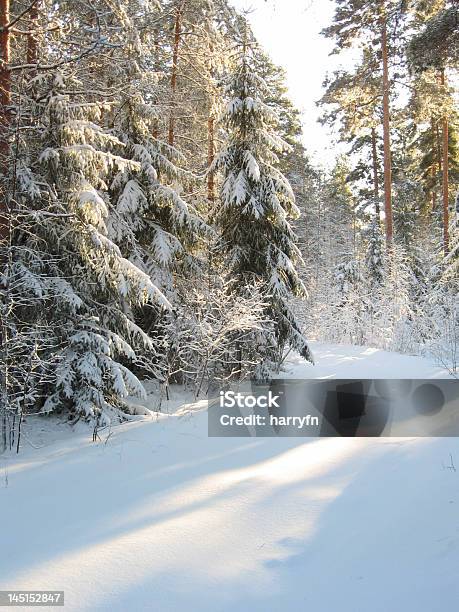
[{"x": 161, "y": 220}]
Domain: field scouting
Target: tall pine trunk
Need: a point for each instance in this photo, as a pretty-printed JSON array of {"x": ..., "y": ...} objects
[
  {"x": 375, "y": 171},
  {"x": 175, "y": 57},
  {"x": 5, "y": 118},
  {"x": 32, "y": 37},
  {"x": 386, "y": 132},
  {"x": 445, "y": 182}
]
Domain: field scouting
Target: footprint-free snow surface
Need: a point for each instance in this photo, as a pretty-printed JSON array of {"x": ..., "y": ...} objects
[{"x": 160, "y": 517}]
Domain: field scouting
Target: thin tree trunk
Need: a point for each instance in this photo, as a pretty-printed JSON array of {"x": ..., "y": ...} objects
[
  {"x": 5, "y": 101},
  {"x": 211, "y": 134},
  {"x": 155, "y": 131},
  {"x": 434, "y": 194},
  {"x": 32, "y": 37},
  {"x": 319, "y": 236},
  {"x": 434, "y": 170},
  {"x": 175, "y": 57},
  {"x": 375, "y": 171},
  {"x": 210, "y": 158},
  {"x": 438, "y": 144},
  {"x": 445, "y": 186},
  {"x": 386, "y": 130}
]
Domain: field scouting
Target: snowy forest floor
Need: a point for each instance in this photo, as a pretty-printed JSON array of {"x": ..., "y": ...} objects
[{"x": 161, "y": 517}]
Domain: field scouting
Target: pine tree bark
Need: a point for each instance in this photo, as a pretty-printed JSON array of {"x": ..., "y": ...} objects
[
  {"x": 5, "y": 101},
  {"x": 445, "y": 181},
  {"x": 439, "y": 148},
  {"x": 32, "y": 37},
  {"x": 375, "y": 171},
  {"x": 175, "y": 57},
  {"x": 386, "y": 133}
]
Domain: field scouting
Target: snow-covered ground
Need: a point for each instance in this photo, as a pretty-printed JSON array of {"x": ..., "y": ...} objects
[
  {"x": 345, "y": 361},
  {"x": 160, "y": 517}
]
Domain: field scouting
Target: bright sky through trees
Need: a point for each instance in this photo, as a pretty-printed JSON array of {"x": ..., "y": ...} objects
[{"x": 290, "y": 30}]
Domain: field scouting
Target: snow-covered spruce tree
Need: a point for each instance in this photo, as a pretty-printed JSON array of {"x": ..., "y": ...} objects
[
  {"x": 374, "y": 270},
  {"x": 375, "y": 251},
  {"x": 91, "y": 288},
  {"x": 350, "y": 306},
  {"x": 395, "y": 320},
  {"x": 156, "y": 229},
  {"x": 408, "y": 232},
  {"x": 29, "y": 291},
  {"x": 256, "y": 239}
]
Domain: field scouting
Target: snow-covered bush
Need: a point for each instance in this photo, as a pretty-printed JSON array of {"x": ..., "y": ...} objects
[{"x": 220, "y": 337}]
